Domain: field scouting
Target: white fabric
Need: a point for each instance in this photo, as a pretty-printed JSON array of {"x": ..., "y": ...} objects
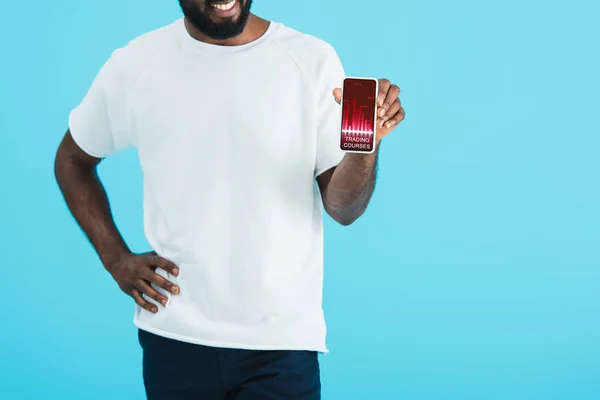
[{"x": 230, "y": 140}]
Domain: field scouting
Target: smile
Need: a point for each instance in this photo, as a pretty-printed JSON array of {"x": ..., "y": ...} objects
[{"x": 226, "y": 6}]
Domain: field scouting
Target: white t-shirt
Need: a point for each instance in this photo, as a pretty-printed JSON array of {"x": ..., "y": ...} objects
[{"x": 230, "y": 140}]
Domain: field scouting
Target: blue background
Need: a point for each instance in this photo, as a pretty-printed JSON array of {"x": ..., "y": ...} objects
[{"x": 473, "y": 275}]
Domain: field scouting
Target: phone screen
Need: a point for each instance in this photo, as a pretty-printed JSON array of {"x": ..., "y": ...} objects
[{"x": 358, "y": 115}]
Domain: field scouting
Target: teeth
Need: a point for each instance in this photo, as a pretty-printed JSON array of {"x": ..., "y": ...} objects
[{"x": 226, "y": 6}]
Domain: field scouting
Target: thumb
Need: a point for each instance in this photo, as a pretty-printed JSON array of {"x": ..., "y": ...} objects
[{"x": 337, "y": 94}]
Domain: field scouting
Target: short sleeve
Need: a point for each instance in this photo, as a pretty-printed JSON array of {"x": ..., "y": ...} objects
[
  {"x": 99, "y": 124},
  {"x": 331, "y": 76}
]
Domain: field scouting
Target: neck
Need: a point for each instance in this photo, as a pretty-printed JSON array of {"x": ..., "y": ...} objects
[{"x": 255, "y": 28}]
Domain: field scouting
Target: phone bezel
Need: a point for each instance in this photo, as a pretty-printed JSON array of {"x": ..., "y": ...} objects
[{"x": 374, "y": 116}]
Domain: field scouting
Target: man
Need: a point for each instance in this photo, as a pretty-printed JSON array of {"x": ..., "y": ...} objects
[{"x": 237, "y": 127}]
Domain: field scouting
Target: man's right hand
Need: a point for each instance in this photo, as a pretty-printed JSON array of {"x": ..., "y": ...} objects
[{"x": 136, "y": 272}]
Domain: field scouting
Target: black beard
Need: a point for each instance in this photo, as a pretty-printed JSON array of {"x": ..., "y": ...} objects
[{"x": 217, "y": 31}]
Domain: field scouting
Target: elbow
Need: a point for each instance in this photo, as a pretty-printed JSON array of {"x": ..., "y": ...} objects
[
  {"x": 345, "y": 222},
  {"x": 345, "y": 217}
]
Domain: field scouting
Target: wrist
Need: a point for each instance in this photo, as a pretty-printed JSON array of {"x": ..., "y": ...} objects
[{"x": 113, "y": 257}]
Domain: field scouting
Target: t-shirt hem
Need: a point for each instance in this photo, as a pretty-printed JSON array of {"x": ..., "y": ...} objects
[
  {"x": 229, "y": 345},
  {"x": 329, "y": 166},
  {"x": 80, "y": 144}
]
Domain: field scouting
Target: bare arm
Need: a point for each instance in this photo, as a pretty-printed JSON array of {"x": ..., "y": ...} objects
[
  {"x": 347, "y": 189},
  {"x": 77, "y": 177}
]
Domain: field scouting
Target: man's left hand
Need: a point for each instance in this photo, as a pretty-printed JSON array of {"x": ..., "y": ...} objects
[{"x": 389, "y": 109}]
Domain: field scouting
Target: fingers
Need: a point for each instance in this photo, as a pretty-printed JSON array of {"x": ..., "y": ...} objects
[
  {"x": 137, "y": 277},
  {"x": 163, "y": 283},
  {"x": 396, "y": 119},
  {"x": 384, "y": 86},
  {"x": 150, "y": 292},
  {"x": 391, "y": 112},
  {"x": 390, "y": 97},
  {"x": 137, "y": 296},
  {"x": 164, "y": 264},
  {"x": 337, "y": 94},
  {"x": 148, "y": 276}
]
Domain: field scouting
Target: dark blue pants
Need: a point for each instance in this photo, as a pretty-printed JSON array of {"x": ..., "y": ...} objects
[{"x": 175, "y": 370}]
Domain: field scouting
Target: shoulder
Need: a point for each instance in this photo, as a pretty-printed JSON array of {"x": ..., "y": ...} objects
[
  {"x": 132, "y": 58},
  {"x": 303, "y": 44},
  {"x": 311, "y": 53}
]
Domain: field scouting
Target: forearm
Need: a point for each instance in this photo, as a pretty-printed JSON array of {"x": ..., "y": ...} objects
[
  {"x": 87, "y": 200},
  {"x": 351, "y": 186}
]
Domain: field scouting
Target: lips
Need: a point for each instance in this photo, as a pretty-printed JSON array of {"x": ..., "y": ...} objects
[{"x": 225, "y": 8}]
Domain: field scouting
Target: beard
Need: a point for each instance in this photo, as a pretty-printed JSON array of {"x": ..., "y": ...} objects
[{"x": 201, "y": 19}]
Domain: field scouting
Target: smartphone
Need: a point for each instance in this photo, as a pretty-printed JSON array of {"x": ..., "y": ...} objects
[{"x": 359, "y": 114}]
